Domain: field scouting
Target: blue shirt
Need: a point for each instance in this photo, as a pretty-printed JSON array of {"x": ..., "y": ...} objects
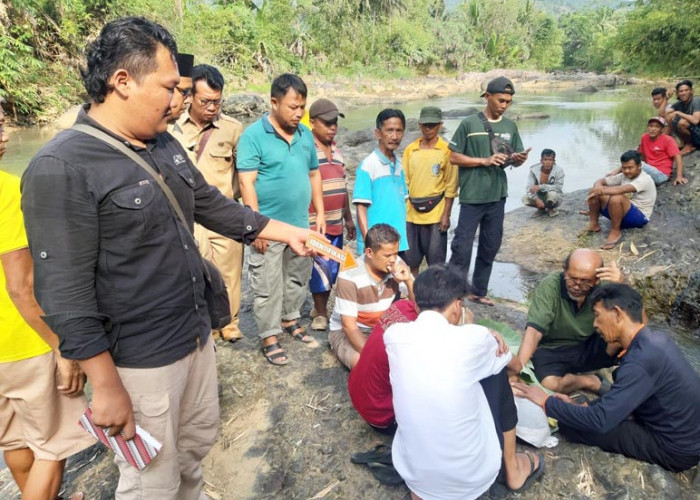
[
  {"x": 656, "y": 385},
  {"x": 380, "y": 183},
  {"x": 282, "y": 185}
]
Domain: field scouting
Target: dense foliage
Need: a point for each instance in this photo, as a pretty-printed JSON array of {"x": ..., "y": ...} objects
[{"x": 41, "y": 40}]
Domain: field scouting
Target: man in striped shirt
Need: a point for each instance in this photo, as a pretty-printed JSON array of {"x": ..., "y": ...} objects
[
  {"x": 364, "y": 292},
  {"x": 323, "y": 117}
]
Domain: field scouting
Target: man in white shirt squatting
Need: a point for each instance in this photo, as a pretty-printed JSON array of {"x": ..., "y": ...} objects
[{"x": 454, "y": 406}]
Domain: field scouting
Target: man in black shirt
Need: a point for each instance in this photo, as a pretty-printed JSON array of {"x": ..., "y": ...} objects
[
  {"x": 652, "y": 411},
  {"x": 685, "y": 117},
  {"x": 116, "y": 272}
]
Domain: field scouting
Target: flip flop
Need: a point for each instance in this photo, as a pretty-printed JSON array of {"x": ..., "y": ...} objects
[
  {"x": 385, "y": 474},
  {"x": 484, "y": 301},
  {"x": 380, "y": 454},
  {"x": 535, "y": 474},
  {"x": 273, "y": 358},
  {"x": 585, "y": 212},
  {"x": 609, "y": 245}
]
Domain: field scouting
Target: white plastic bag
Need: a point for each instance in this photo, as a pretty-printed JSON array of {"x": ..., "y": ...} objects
[{"x": 533, "y": 426}]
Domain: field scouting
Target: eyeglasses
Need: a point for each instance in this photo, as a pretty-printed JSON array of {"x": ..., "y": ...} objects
[
  {"x": 184, "y": 92},
  {"x": 581, "y": 283},
  {"x": 205, "y": 103}
]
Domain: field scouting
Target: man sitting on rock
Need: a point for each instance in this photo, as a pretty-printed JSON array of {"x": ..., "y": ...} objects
[
  {"x": 364, "y": 292},
  {"x": 609, "y": 197},
  {"x": 454, "y": 406},
  {"x": 659, "y": 99},
  {"x": 654, "y": 385},
  {"x": 685, "y": 117},
  {"x": 559, "y": 336},
  {"x": 545, "y": 184}
]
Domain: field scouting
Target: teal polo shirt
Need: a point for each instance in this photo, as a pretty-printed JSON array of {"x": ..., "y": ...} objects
[{"x": 282, "y": 185}]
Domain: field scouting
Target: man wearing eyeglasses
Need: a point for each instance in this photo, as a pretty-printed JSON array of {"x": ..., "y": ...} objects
[
  {"x": 211, "y": 138},
  {"x": 559, "y": 336}
]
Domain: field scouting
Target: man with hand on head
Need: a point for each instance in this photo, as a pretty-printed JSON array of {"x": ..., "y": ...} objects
[
  {"x": 559, "y": 337},
  {"x": 365, "y": 291},
  {"x": 653, "y": 408},
  {"x": 483, "y": 185}
]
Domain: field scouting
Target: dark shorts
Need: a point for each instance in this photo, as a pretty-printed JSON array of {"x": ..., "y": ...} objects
[
  {"x": 586, "y": 356},
  {"x": 634, "y": 218},
  {"x": 425, "y": 240},
  {"x": 325, "y": 271}
]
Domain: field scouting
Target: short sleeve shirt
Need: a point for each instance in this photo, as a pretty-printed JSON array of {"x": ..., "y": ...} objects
[
  {"x": 360, "y": 296},
  {"x": 689, "y": 108},
  {"x": 282, "y": 185},
  {"x": 380, "y": 183},
  {"x": 428, "y": 173},
  {"x": 659, "y": 152},
  {"x": 645, "y": 196},
  {"x": 558, "y": 318},
  {"x": 483, "y": 184},
  {"x": 18, "y": 340},
  {"x": 335, "y": 190}
]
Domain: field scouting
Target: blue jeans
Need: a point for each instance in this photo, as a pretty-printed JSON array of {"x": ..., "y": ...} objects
[
  {"x": 488, "y": 217},
  {"x": 656, "y": 175}
]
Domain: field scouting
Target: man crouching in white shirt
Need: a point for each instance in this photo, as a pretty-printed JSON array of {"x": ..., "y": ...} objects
[{"x": 454, "y": 406}]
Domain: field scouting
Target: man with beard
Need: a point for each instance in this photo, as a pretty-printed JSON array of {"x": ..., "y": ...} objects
[
  {"x": 279, "y": 176},
  {"x": 559, "y": 336}
]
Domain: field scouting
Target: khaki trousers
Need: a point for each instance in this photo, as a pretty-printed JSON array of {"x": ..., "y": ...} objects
[
  {"x": 179, "y": 406},
  {"x": 227, "y": 255},
  {"x": 279, "y": 279}
]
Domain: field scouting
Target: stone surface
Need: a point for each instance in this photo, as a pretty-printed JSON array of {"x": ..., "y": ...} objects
[{"x": 244, "y": 107}]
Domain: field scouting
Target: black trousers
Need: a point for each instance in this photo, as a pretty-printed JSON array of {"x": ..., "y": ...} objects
[
  {"x": 634, "y": 441},
  {"x": 488, "y": 217},
  {"x": 500, "y": 398}
]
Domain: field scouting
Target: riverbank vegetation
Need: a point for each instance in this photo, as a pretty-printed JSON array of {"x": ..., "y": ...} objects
[{"x": 41, "y": 41}]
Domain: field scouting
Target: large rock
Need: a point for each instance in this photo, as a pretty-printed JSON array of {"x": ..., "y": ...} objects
[{"x": 245, "y": 106}]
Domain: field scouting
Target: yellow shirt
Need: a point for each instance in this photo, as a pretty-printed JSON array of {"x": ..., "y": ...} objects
[
  {"x": 428, "y": 173},
  {"x": 18, "y": 340}
]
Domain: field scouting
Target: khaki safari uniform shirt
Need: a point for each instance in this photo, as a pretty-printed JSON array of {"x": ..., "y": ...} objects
[{"x": 217, "y": 161}]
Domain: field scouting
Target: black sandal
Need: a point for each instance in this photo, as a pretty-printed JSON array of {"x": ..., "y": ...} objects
[
  {"x": 535, "y": 473},
  {"x": 273, "y": 358},
  {"x": 385, "y": 474},
  {"x": 380, "y": 453},
  {"x": 298, "y": 332}
]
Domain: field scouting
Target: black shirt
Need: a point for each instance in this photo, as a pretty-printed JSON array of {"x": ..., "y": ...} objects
[
  {"x": 114, "y": 268},
  {"x": 654, "y": 384}
]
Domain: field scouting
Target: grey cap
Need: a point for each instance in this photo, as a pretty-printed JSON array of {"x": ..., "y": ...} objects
[
  {"x": 430, "y": 114},
  {"x": 325, "y": 110},
  {"x": 500, "y": 85}
]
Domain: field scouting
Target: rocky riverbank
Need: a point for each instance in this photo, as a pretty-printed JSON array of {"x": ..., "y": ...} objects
[{"x": 661, "y": 260}]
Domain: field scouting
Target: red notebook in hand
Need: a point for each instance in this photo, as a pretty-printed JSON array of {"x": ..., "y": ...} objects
[{"x": 138, "y": 451}]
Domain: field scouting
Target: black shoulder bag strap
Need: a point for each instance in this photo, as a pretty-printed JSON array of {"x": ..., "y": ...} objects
[
  {"x": 115, "y": 144},
  {"x": 487, "y": 127},
  {"x": 215, "y": 289}
]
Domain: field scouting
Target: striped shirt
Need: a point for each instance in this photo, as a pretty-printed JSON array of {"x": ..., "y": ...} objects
[
  {"x": 335, "y": 190},
  {"x": 360, "y": 296}
]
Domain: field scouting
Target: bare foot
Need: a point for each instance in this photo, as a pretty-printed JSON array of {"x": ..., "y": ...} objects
[{"x": 687, "y": 149}]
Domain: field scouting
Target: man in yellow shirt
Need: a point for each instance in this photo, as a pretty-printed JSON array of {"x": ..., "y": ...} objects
[
  {"x": 432, "y": 188},
  {"x": 38, "y": 420}
]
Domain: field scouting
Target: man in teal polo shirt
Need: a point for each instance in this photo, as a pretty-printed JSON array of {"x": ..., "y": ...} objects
[
  {"x": 483, "y": 185},
  {"x": 380, "y": 186},
  {"x": 279, "y": 177}
]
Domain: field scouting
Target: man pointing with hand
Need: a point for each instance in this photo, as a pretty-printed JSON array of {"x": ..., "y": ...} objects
[{"x": 483, "y": 185}]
